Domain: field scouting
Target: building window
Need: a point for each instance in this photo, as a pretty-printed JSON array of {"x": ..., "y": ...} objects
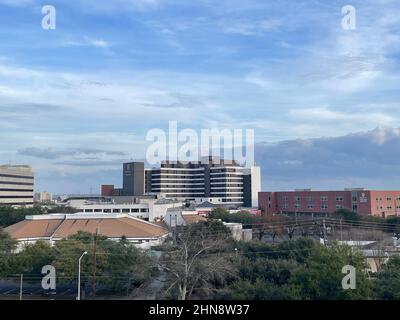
[
  {"x": 339, "y": 198},
  {"x": 310, "y": 206},
  {"x": 309, "y": 198},
  {"x": 389, "y": 198},
  {"x": 297, "y": 205},
  {"x": 389, "y": 207},
  {"x": 324, "y": 206},
  {"x": 324, "y": 198},
  {"x": 125, "y": 210},
  {"x": 285, "y": 198},
  {"x": 297, "y": 198},
  {"x": 285, "y": 206},
  {"x": 339, "y": 206}
]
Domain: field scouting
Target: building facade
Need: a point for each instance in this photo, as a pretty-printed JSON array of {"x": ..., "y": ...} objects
[
  {"x": 133, "y": 179},
  {"x": 16, "y": 185},
  {"x": 108, "y": 190},
  {"x": 214, "y": 178},
  {"x": 364, "y": 202},
  {"x": 225, "y": 180},
  {"x": 43, "y": 197}
]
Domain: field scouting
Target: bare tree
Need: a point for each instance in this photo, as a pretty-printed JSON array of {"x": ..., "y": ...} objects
[{"x": 200, "y": 258}]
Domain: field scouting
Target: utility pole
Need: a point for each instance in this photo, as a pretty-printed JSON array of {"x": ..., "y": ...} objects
[
  {"x": 323, "y": 222},
  {"x": 175, "y": 226},
  {"x": 20, "y": 286},
  {"x": 341, "y": 230},
  {"x": 94, "y": 262}
]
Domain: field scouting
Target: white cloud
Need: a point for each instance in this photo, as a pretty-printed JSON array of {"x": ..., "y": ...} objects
[
  {"x": 16, "y": 3},
  {"x": 86, "y": 41},
  {"x": 251, "y": 27}
]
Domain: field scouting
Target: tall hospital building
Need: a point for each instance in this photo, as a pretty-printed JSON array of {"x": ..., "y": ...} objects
[
  {"x": 16, "y": 185},
  {"x": 227, "y": 181}
]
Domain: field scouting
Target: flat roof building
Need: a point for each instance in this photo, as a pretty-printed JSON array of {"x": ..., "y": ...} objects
[
  {"x": 212, "y": 177},
  {"x": 16, "y": 185},
  {"x": 226, "y": 180},
  {"x": 55, "y": 227},
  {"x": 307, "y": 201}
]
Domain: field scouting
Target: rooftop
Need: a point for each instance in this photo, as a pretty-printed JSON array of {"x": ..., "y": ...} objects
[{"x": 58, "y": 226}]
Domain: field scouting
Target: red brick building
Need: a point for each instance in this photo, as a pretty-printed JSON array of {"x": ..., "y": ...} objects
[
  {"x": 108, "y": 190},
  {"x": 364, "y": 202}
]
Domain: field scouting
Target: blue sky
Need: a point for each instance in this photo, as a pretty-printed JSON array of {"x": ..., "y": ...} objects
[{"x": 77, "y": 101}]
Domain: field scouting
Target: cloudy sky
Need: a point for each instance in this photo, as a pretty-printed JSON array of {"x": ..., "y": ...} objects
[{"x": 77, "y": 101}]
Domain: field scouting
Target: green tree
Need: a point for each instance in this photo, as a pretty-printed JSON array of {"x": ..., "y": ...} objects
[
  {"x": 10, "y": 215},
  {"x": 33, "y": 257},
  {"x": 7, "y": 248},
  {"x": 119, "y": 265},
  {"x": 300, "y": 269},
  {"x": 320, "y": 277},
  {"x": 62, "y": 209},
  {"x": 241, "y": 216},
  {"x": 387, "y": 284}
]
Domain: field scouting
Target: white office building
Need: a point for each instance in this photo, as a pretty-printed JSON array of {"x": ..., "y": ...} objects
[{"x": 16, "y": 185}]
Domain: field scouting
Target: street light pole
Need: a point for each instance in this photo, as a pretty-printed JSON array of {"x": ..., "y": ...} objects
[{"x": 79, "y": 276}]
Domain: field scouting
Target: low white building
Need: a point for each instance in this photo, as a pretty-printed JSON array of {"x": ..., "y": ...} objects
[{"x": 150, "y": 209}]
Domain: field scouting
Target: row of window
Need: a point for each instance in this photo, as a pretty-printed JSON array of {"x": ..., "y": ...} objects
[
  {"x": 214, "y": 176},
  {"x": 17, "y": 183},
  {"x": 311, "y": 198},
  {"x": 388, "y": 207},
  {"x": 188, "y": 186},
  {"x": 16, "y": 176},
  {"x": 15, "y": 197},
  {"x": 224, "y": 170},
  {"x": 173, "y": 177},
  {"x": 125, "y": 210},
  {"x": 16, "y": 190},
  {"x": 180, "y": 172},
  {"x": 388, "y": 198},
  {"x": 311, "y": 206}
]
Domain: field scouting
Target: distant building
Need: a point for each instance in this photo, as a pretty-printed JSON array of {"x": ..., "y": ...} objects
[
  {"x": 54, "y": 227},
  {"x": 133, "y": 179},
  {"x": 306, "y": 201},
  {"x": 43, "y": 197},
  {"x": 215, "y": 179},
  {"x": 226, "y": 180},
  {"x": 16, "y": 185},
  {"x": 108, "y": 190},
  {"x": 147, "y": 207}
]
